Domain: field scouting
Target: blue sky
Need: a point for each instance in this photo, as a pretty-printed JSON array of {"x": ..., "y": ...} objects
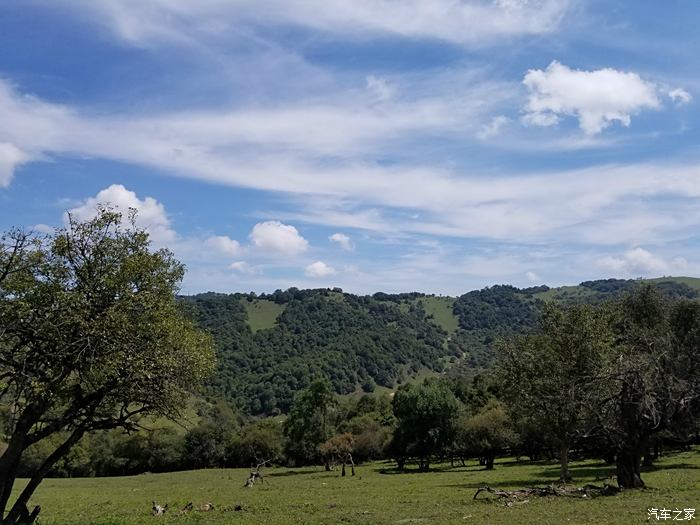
[{"x": 430, "y": 145}]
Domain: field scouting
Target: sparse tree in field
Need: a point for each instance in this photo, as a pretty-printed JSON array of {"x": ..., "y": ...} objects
[
  {"x": 426, "y": 415},
  {"x": 549, "y": 377},
  {"x": 91, "y": 337},
  {"x": 652, "y": 379},
  {"x": 339, "y": 448},
  {"x": 309, "y": 423}
]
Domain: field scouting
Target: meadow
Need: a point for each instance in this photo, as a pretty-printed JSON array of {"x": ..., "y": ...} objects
[{"x": 378, "y": 494}]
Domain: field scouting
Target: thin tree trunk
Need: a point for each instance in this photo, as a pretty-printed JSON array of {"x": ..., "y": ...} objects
[
  {"x": 20, "y": 506},
  {"x": 564, "y": 475}
]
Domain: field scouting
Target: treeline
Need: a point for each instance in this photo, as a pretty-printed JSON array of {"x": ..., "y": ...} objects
[{"x": 614, "y": 381}]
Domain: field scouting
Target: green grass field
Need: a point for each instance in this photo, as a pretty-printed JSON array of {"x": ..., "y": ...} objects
[{"x": 377, "y": 495}]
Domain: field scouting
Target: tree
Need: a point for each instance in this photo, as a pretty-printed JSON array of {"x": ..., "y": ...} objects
[
  {"x": 92, "y": 338},
  {"x": 485, "y": 434},
  {"x": 548, "y": 376},
  {"x": 309, "y": 422},
  {"x": 652, "y": 379},
  {"x": 426, "y": 415}
]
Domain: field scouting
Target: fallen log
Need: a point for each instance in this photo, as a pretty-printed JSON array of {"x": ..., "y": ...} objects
[{"x": 587, "y": 491}]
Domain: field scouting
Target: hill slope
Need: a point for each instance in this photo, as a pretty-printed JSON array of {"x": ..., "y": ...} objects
[{"x": 271, "y": 346}]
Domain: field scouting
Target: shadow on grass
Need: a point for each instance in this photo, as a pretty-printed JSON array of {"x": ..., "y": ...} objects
[
  {"x": 509, "y": 483},
  {"x": 407, "y": 471},
  {"x": 597, "y": 471},
  {"x": 669, "y": 466},
  {"x": 288, "y": 473}
]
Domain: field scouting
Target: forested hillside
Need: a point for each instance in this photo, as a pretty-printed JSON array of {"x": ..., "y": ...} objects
[
  {"x": 354, "y": 341},
  {"x": 271, "y": 346}
]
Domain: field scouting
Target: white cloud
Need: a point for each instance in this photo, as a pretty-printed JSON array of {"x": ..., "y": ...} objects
[
  {"x": 493, "y": 128},
  {"x": 44, "y": 228},
  {"x": 275, "y": 238},
  {"x": 596, "y": 98},
  {"x": 151, "y": 213},
  {"x": 592, "y": 205},
  {"x": 639, "y": 262},
  {"x": 245, "y": 268},
  {"x": 533, "y": 277},
  {"x": 380, "y": 88},
  {"x": 680, "y": 96},
  {"x": 467, "y": 22},
  {"x": 343, "y": 241},
  {"x": 223, "y": 245},
  {"x": 318, "y": 270},
  {"x": 10, "y": 157}
]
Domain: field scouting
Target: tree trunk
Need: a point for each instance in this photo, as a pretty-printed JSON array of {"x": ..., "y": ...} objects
[
  {"x": 488, "y": 462},
  {"x": 564, "y": 476},
  {"x": 19, "y": 513},
  {"x": 628, "y": 469},
  {"x": 9, "y": 463}
]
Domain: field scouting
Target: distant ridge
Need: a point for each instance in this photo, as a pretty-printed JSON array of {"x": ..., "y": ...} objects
[{"x": 272, "y": 345}]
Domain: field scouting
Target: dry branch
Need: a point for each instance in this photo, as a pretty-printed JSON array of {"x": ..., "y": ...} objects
[{"x": 587, "y": 491}]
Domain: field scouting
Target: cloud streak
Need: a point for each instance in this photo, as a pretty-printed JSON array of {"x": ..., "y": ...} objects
[{"x": 467, "y": 22}]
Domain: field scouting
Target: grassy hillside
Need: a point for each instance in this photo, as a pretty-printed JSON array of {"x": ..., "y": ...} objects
[
  {"x": 376, "y": 495},
  {"x": 692, "y": 282},
  {"x": 262, "y": 314},
  {"x": 441, "y": 308}
]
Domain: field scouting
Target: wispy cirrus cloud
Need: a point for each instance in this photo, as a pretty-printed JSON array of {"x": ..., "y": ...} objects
[
  {"x": 468, "y": 22},
  {"x": 354, "y": 191}
]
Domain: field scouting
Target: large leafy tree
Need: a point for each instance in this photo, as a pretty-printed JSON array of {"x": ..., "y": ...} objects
[
  {"x": 652, "y": 379},
  {"x": 427, "y": 415},
  {"x": 91, "y": 337},
  {"x": 549, "y": 376}
]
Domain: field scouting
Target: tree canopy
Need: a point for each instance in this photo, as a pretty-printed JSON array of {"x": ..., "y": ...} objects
[{"x": 92, "y": 338}]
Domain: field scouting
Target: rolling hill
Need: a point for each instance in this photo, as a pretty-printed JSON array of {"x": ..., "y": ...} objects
[{"x": 272, "y": 345}]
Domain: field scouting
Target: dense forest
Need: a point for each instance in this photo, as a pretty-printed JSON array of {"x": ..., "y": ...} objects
[{"x": 271, "y": 346}]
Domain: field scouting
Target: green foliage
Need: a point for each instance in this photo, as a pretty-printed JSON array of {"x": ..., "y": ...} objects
[
  {"x": 311, "y": 422},
  {"x": 92, "y": 337},
  {"x": 351, "y": 340},
  {"x": 258, "y": 441},
  {"x": 486, "y": 434},
  {"x": 426, "y": 416},
  {"x": 549, "y": 376}
]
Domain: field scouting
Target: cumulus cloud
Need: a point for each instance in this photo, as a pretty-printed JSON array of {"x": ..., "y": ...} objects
[
  {"x": 680, "y": 96},
  {"x": 532, "y": 277},
  {"x": 151, "y": 214},
  {"x": 245, "y": 268},
  {"x": 342, "y": 240},
  {"x": 223, "y": 245},
  {"x": 641, "y": 262},
  {"x": 10, "y": 157},
  {"x": 318, "y": 270},
  {"x": 596, "y": 98},
  {"x": 275, "y": 238}
]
